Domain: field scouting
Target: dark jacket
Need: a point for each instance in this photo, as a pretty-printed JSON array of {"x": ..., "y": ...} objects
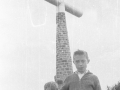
[{"x": 87, "y": 82}]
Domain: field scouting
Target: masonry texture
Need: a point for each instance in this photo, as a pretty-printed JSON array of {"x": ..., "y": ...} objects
[{"x": 63, "y": 55}]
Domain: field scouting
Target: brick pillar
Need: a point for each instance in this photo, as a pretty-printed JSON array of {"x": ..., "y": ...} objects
[{"x": 63, "y": 56}]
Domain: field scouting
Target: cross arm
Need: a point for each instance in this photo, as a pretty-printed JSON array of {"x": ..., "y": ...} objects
[{"x": 68, "y": 8}]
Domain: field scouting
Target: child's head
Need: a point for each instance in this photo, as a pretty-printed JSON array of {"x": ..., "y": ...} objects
[
  {"x": 80, "y": 59},
  {"x": 50, "y": 86}
]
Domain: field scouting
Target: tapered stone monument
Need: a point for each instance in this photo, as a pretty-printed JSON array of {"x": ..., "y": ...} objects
[{"x": 63, "y": 55}]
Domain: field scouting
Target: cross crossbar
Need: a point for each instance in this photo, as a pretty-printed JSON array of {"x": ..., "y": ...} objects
[{"x": 68, "y": 8}]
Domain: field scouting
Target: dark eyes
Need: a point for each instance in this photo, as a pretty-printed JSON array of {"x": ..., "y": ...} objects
[{"x": 77, "y": 61}]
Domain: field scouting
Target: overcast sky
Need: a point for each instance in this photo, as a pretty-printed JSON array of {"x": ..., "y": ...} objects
[{"x": 28, "y": 41}]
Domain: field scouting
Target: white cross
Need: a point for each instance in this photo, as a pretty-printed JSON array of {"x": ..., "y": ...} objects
[{"x": 61, "y": 6}]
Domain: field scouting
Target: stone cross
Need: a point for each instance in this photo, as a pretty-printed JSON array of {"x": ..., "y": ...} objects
[{"x": 63, "y": 55}]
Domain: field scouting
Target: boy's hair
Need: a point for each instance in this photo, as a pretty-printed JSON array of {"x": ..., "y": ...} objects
[
  {"x": 51, "y": 85},
  {"x": 81, "y": 52}
]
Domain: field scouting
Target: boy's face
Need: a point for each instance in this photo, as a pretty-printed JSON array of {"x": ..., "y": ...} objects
[{"x": 80, "y": 62}]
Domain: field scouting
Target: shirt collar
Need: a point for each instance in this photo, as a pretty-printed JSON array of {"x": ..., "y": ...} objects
[{"x": 80, "y": 73}]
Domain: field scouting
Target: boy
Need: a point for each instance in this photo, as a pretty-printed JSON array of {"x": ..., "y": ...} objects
[{"x": 82, "y": 79}]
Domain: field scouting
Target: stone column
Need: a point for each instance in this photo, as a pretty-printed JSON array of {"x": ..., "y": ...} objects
[{"x": 63, "y": 55}]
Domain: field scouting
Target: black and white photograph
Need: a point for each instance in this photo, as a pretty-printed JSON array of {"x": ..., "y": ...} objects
[{"x": 59, "y": 44}]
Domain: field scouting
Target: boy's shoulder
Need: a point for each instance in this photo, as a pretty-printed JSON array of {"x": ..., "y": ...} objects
[
  {"x": 71, "y": 77},
  {"x": 88, "y": 74},
  {"x": 74, "y": 77},
  {"x": 92, "y": 76}
]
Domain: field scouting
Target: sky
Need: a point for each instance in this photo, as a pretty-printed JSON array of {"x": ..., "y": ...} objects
[{"x": 28, "y": 41}]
